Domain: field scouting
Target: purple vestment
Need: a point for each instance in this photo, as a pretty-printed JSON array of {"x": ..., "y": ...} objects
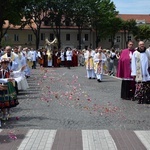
[{"x": 124, "y": 64}]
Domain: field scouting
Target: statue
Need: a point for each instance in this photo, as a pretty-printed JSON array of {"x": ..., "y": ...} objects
[{"x": 53, "y": 43}]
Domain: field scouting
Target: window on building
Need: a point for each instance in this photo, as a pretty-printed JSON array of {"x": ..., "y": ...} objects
[
  {"x": 118, "y": 39},
  {"x": 51, "y": 37},
  {"x": 16, "y": 37},
  {"x": 42, "y": 36},
  {"x": 29, "y": 37},
  {"x": 129, "y": 38},
  {"x": 67, "y": 37},
  {"x": 86, "y": 37}
]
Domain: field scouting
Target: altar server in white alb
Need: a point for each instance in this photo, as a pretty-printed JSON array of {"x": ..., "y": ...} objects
[
  {"x": 99, "y": 60},
  {"x": 62, "y": 56},
  {"x": 34, "y": 57},
  {"x": 69, "y": 57},
  {"x": 89, "y": 63},
  {"x": 140, "y": 71}
]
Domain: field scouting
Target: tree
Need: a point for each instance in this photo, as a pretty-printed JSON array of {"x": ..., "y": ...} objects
[
  {"x": 34, "y": 13},
  {"x": 83, "y": 13},
  {"x": 55, "y": 17},
  {"x": 142, "y": 32},
  {"x": 78, "y": 14},
  {"x": 131, "y": 26},
  {"x": 10, "y": 10},
  {"x": 125, "y": 29},
  {"x": 47, "y": 12},
  {"x": 103, "y": 12},
  {"x": 113, "y": 27},
  {"x": 128, "y": 27}
]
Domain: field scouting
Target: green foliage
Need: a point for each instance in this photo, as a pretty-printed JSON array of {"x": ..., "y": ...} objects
[
  {"x": 5, "y": 43},
  {"x": 142, "y": 32},
  {"x": 93, "y": 14},
  {"x": 34, "y": 13},
  {"x": 10, "y": 10},
  {"x": 100, "y": 15}
]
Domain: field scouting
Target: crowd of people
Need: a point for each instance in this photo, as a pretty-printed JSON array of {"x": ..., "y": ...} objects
[
  {"x": 58, "y": 58},
  {"x": 73, "y": 57},
  {"x": 132, "y": 65},
  {"x": 100, "y": 61},
  {"x": 15, "y": 65},
  {"x": 133, "y": 68}
]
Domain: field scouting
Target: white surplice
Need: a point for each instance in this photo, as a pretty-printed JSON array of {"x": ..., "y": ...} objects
[
  {"x": 99, "y": 60},
  {"x": 20, "y": 78},
  {"x": 143, "y": 64}
]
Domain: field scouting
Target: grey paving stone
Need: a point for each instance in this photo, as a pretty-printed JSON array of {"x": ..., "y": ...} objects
[{"x": 59, "y": 98}]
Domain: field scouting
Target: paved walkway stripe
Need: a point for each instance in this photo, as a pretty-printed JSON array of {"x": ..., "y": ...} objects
[
  {"x": 144, "y": 136},
  {"x": 38, "y": 140},
  {"x": 11, "y": 139},
  {"x": 97, "y": 140},
  {"x": 126, "y": 140},
  {"x": 68, "y": 140}
]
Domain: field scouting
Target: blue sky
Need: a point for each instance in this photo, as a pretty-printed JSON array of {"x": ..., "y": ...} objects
[{"x": 132, "y": 6}]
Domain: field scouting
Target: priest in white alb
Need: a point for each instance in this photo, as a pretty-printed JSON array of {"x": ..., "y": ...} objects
[
  {"x": 140, "y": 71},
  {"x": 99, "y": 60}
]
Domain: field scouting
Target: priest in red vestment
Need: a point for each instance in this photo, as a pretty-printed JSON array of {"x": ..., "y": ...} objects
[{"x": 124, "y": 72}]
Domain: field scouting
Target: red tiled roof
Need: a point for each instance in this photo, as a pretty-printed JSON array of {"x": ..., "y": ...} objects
[
  {"x": 145, "y": 17},
  {"x": 34, "y": 26},
  {"x": 17, "y": 26}
]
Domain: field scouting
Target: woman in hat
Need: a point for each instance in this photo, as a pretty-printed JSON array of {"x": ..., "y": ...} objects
[{"x": 8, "y": 96}]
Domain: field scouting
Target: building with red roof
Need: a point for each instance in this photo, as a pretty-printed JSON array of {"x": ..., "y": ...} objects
[{"x": 69, "y": 35}]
